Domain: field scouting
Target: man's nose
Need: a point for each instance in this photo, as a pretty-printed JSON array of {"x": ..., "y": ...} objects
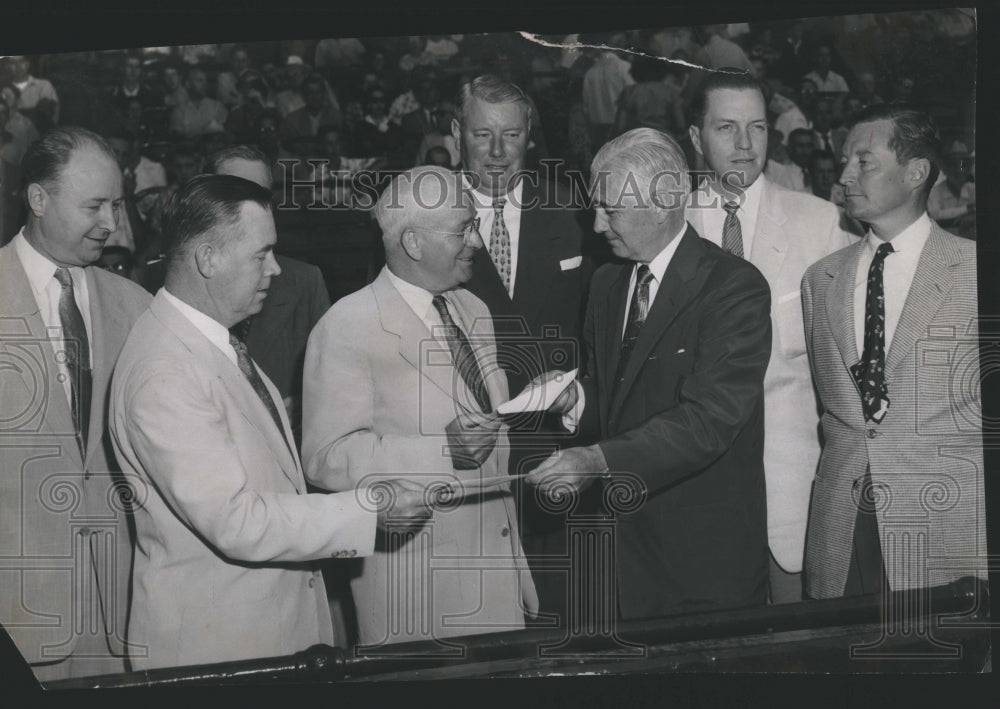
[
  {"x": 600, "y": 221},
  {"x": 109, "y": 217},
  {"x": 848, "y": 175},
  {"x": 272, "y": 263},
  {"x": 475, "y": 239},
  {"x": 496, "y": 147}
]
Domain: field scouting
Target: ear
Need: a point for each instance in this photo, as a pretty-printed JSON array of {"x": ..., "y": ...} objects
[
  {"x": 456, "y": 131},
  {"x": 695, "y": 134},
  {"x": 38, "y": 198},
  {"x": 918, "y": 172},
  {"x": 411, "y": 244},
  {"x": 206, "y": 258}
]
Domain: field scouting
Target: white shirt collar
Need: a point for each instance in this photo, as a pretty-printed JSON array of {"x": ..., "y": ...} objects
[
  {"x": 419, "y": 300},
  {"x": 216, "y": 332},
  {"x": 910, "y": 240},
  {"x": 513, "y": 197},
  {"x": 39, "y": 269},
  {"x": 658, "y": 266}
]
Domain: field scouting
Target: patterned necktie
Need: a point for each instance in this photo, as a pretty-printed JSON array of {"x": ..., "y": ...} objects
[
  {"x": 869, "y": 373},
  {"x": 732, "y": 232},
  {"x": 250, "y": 372},
  {"x": 77, "y": 349},
  {"x": 463, "y": 356},
  {"x": 637, "y": 310},
  {"x": 500, "y": 243}
]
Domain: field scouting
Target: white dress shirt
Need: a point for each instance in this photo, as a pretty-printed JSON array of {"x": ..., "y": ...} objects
[
  {"x": 47, "y": 291},
  {"x": 511, "y": 218},
  {"x": 657, "y": 267},
  {"x": 216, "y": 332},
  {"x": 714, "y": 216},
  {"x": 900, "y": 267}
]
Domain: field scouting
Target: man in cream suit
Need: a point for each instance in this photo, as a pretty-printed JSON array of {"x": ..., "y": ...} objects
[
  {"x": 63, "y": 525},
  {"x": 226, "y": 530},
  {"x": 782, "y": 233},
  {"x": 892, "y": 330},
  {"x": 402, "y": 376}
]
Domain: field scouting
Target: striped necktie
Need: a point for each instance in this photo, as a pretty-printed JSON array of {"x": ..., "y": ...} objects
[
  {"x": 77, "y": 350},
  {"x": 732, "y": 232}
]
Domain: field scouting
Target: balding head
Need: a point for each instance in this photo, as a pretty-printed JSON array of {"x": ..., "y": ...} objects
[{"x": 428, "y": 227}]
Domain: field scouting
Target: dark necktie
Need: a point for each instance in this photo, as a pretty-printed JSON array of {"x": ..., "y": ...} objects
[
  {"x": 246, "y": 366},
  {"x": 77, "y": 348},
  {"x": 869, "y": 373},
  {"x": 732, "y": 232},
  {"x": 500, "y": 243},
  {"x": 463, "y": 356},
  {"x": 637, "y": 310},
  {"x": 826, "y": 143}
]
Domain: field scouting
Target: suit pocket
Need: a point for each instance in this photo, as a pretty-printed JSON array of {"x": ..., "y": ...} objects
[{"x": 788, "y": 323}]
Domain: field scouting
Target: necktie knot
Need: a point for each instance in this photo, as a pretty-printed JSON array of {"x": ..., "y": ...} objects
[
  {"x": 64, "y": 277},
  {"x": 498, "y": 204},
  {"x": 643, "y": 276},
  {"x": 731, "y": 207},
  {"x": 883, "y": 251}
]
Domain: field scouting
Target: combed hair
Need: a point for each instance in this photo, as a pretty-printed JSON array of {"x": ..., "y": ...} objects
[
  {"x": 420, "y": 189},
  {"x": 237, "y": 152},
  {"x": 207, "y": 204},
  {"x": 725, "y": 78},
  {"x": 646, "y": 152},
  {"x": 491, "y": 89},
  {"x": 49, "y": 155},
  {"x": 914, "y": 134}
]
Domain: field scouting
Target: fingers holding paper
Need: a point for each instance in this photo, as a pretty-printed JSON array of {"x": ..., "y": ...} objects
[{"x": 471, "y": 438}]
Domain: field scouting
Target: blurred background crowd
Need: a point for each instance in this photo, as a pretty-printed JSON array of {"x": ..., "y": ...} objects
[{"x": 329, "y": 109}]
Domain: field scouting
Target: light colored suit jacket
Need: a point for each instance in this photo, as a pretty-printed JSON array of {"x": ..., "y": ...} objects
[
  {"x": 379, "y": 392},
  {"x": 63, "y": 525},
  {"x": 224, "y": 526},
  {"x": 926, "y": 456},
  {"x": 793, "y": 231}
]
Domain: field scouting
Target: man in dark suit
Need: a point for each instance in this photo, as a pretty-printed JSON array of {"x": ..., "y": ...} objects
[
  {"x": 678, "y": 342},
  {"x": 276, "y": 336},
  {"x": 533, "y": 276}
]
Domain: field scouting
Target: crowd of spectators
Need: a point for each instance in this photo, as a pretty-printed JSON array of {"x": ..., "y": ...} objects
[{"x": 385, "y": 104}]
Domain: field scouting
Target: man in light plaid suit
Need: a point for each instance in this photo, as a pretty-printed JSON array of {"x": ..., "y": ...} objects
[{"x": 892, "y": 335}]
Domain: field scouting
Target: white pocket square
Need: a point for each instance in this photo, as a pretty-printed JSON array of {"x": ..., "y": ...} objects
[{"x": 571, "y": 263}]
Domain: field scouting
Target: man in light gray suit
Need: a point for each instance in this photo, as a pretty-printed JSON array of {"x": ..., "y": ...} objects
[
  {"x": 781, "y": 233},
  {"x": 892, "y": 331},
  {"x": 403, "y": 377},
  {"x": 64, "y": 535},
  {"x": 226, "y": 530}
]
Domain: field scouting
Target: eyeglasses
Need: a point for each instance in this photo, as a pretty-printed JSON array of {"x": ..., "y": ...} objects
[{"x": 471, "y": 228}]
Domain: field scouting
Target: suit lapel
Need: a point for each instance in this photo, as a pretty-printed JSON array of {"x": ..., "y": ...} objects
[
  {"x": 534, "y": 256},
  {"x": 25, "y": 323},
  {"x": 676, "y": 290},
  {"x": 236, "y": 385},
  {"x": 399, "y": 319},
  {"x": 840, "y": 303},
  {"x": 931, "y": 284},
  {"x": 109, "y": 330},
  {"x": 769, "y": 246}
]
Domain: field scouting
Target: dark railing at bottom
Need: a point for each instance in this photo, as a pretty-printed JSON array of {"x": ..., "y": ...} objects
[{"x": 967, "y": 598}]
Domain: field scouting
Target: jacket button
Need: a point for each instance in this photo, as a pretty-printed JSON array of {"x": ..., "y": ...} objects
[
  {"x": 84, "y": 532},
  {"x": 312, "y": 582},
  {"x": 505, "y": 532},
  {"x": 354, "y": 552},
  {"x": 871, "y": 433},
  {"x": 86, "y": 475}
]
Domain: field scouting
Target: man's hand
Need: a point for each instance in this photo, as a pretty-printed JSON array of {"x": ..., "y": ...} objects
[
  {"x": 471, "y": 438},
  {"x": 405, "y": 506},
  {"x": 565, "y": 402},
  {"x": 574, "y": 468}
]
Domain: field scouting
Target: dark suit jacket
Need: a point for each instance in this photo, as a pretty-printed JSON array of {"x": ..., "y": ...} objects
[
  {"x": 277, "y": 337},
  {"x": 687, "y": 424}
]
